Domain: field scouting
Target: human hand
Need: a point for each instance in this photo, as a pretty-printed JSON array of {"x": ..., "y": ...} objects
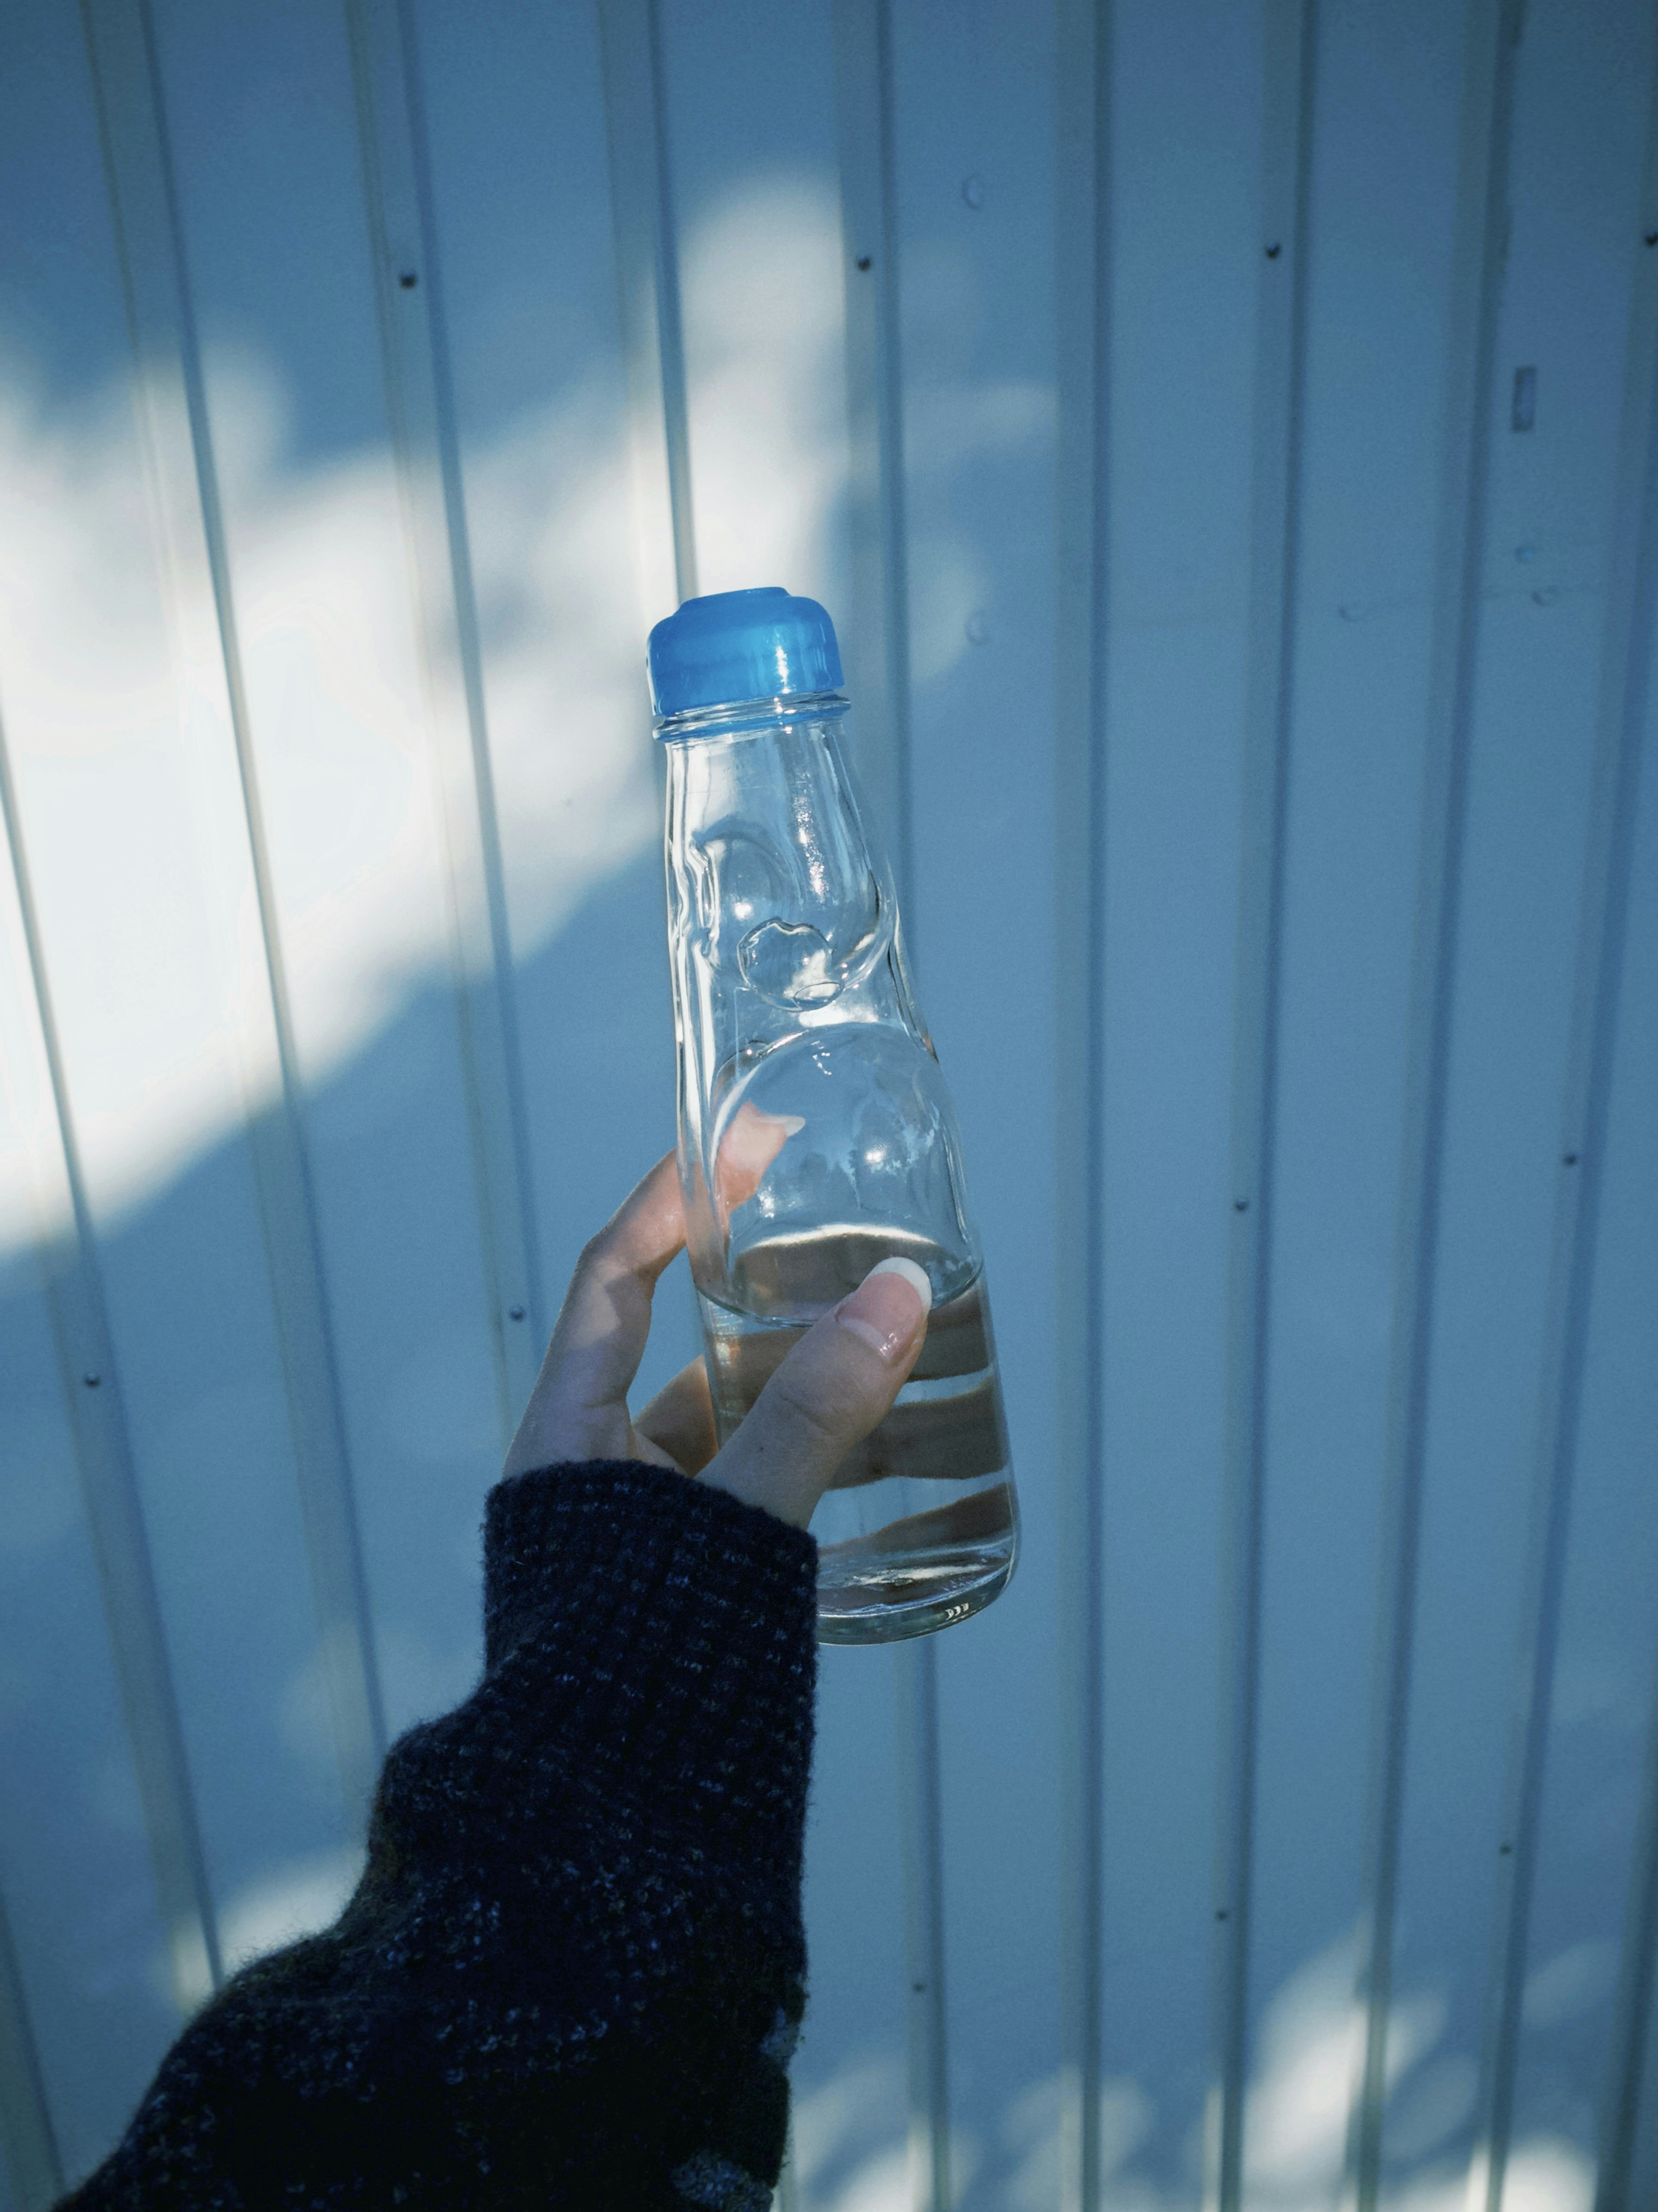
[{"x": 837, "y": 1383}]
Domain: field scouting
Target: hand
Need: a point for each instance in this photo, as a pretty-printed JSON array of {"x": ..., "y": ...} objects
[{"x": 835, "y": 1386}]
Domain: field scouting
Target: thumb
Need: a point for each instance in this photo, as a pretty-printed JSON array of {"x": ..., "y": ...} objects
[{"x": 836, "y": 1384}]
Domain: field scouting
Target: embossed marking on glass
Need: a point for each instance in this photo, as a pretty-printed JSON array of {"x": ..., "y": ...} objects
[{"x": 816, "y": 1135}]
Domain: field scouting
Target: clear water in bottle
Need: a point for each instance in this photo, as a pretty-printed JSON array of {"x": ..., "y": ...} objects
[
  {"x": 920, "y": 1529},
  {"x": 816, "y": 1134}
]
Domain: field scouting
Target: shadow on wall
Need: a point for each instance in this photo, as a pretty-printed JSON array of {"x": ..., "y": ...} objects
[
  {"x": 211, "y": 1428},
  {"x": 115, "y": 719}
]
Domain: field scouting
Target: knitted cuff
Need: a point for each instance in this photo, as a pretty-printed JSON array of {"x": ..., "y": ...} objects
[{"x": 670, "y": 1627}]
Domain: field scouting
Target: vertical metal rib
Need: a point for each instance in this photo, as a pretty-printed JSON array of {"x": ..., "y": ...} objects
[
  {"x": 27, "y": 2142},
  {"x": 132, "y": 1611},
  {"x": 488, "y": 1016},
  {"x": 1082, "y": 135},
  {"x": 670, "y": 330},
  {"x": 1638, "y": 1982},
  {"x": 173, "y": 410},
  {"x": 409, "y": 296},
  {"x": 878, "y": 655},
  {"x": 1274, "y": 526},
  {"x": 917, "y": 1675},
  {"x": 1626, "y": 666},
  {"x": 648, "y": 277},
  {"x": 1475, "y": 289},
  {"x": 1625, "y": 700},
  {"x": 878, "y": 633}
]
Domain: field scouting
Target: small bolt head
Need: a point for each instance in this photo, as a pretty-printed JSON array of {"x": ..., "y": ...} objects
[
  {"x": 407, "y": 280},
  {"x": 92, "y": 1381},
  {"x": 864, "y": 261},
  {"x": 514, "y": 1313},
  {"x": 1274, "y": 249}
]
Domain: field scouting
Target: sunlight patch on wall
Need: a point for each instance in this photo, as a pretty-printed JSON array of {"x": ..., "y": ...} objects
[
  {"x": 850, "y": 2153},
  {"x": 766, "y": 398},
  {"x": 117, "y": 717},
  {"x": 159, "y": 975}
]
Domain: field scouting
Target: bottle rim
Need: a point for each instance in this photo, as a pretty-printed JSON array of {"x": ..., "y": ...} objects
[{"x": 734, "y": 718}]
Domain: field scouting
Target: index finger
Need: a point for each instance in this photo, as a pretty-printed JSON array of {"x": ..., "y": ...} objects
[
  {"x": 752, "y": 1141},
  {"x": 579, "y": 1408}
]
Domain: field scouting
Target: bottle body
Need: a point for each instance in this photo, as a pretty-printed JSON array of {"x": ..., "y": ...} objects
[{"x": 816, "y": 1138}]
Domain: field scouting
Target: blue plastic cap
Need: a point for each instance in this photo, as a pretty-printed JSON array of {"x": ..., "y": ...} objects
[{"x": 742, "y": 645}]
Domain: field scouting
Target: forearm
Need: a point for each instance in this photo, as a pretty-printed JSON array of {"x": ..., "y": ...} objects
[{"x": 573, "y": 1961}]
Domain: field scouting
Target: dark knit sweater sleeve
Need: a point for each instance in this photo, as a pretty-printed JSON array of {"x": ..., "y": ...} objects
[{"x": 571, "y": 1972}]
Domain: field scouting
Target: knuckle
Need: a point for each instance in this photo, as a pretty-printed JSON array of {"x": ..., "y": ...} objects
[{"x": 593, "y": 1256}]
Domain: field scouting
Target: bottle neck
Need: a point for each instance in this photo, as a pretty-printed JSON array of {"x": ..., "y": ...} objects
[
  {"x": 779, "y": 902},
  {"x": 740, "y": 718}
]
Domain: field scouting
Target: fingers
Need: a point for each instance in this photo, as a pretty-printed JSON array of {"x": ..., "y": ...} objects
[
  {"x": 679, "y": 1420},
  {"x": 579, "y": 1408},
  {"x": 749, "y": 1145},
  {"x": 833, "y": 1389}
]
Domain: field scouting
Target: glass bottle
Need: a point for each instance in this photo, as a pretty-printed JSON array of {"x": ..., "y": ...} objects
[{"x": 816, "y": 1135}]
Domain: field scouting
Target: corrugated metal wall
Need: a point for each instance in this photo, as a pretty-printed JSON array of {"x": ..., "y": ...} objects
[{"x": 1224, "y": 432}]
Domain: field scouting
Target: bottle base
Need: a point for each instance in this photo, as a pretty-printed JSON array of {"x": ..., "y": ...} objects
[{"x": 895, "y": 1594}]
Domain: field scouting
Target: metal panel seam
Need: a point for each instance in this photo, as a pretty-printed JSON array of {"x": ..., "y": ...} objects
[
  {"x": 1280, "y": 371},
  {"x": 1626, "y": 673},
  {"x": 426, "y": 461},
  {"x": 676, "y": 415},
  {"x": 1638, "y": 1978},
  {"x": 865, "y": 96},
  {"x": 1083, "y": 119},
  {"x": 648, "y": 283},
  {"x": 27, "y": 2139},
  {"x": 878, "y": 646},
  {"x": 120, "y": 1545},
  {"x": 126, "y": 70},
  {"x": 492, "y": 1058},
  {"x": 916, "y": 1679},
  {"x": 1476, "y": 285},
  {"x": 890, "y": 420}
]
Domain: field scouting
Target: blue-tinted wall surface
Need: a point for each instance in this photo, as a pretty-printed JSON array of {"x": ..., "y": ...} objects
[{"x": 1224, "y": 431}]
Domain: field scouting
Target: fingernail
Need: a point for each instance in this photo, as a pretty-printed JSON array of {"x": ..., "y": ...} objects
[
  {"x": 884, "y": 1315},
  {"x": 790, "y": 1124}
]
